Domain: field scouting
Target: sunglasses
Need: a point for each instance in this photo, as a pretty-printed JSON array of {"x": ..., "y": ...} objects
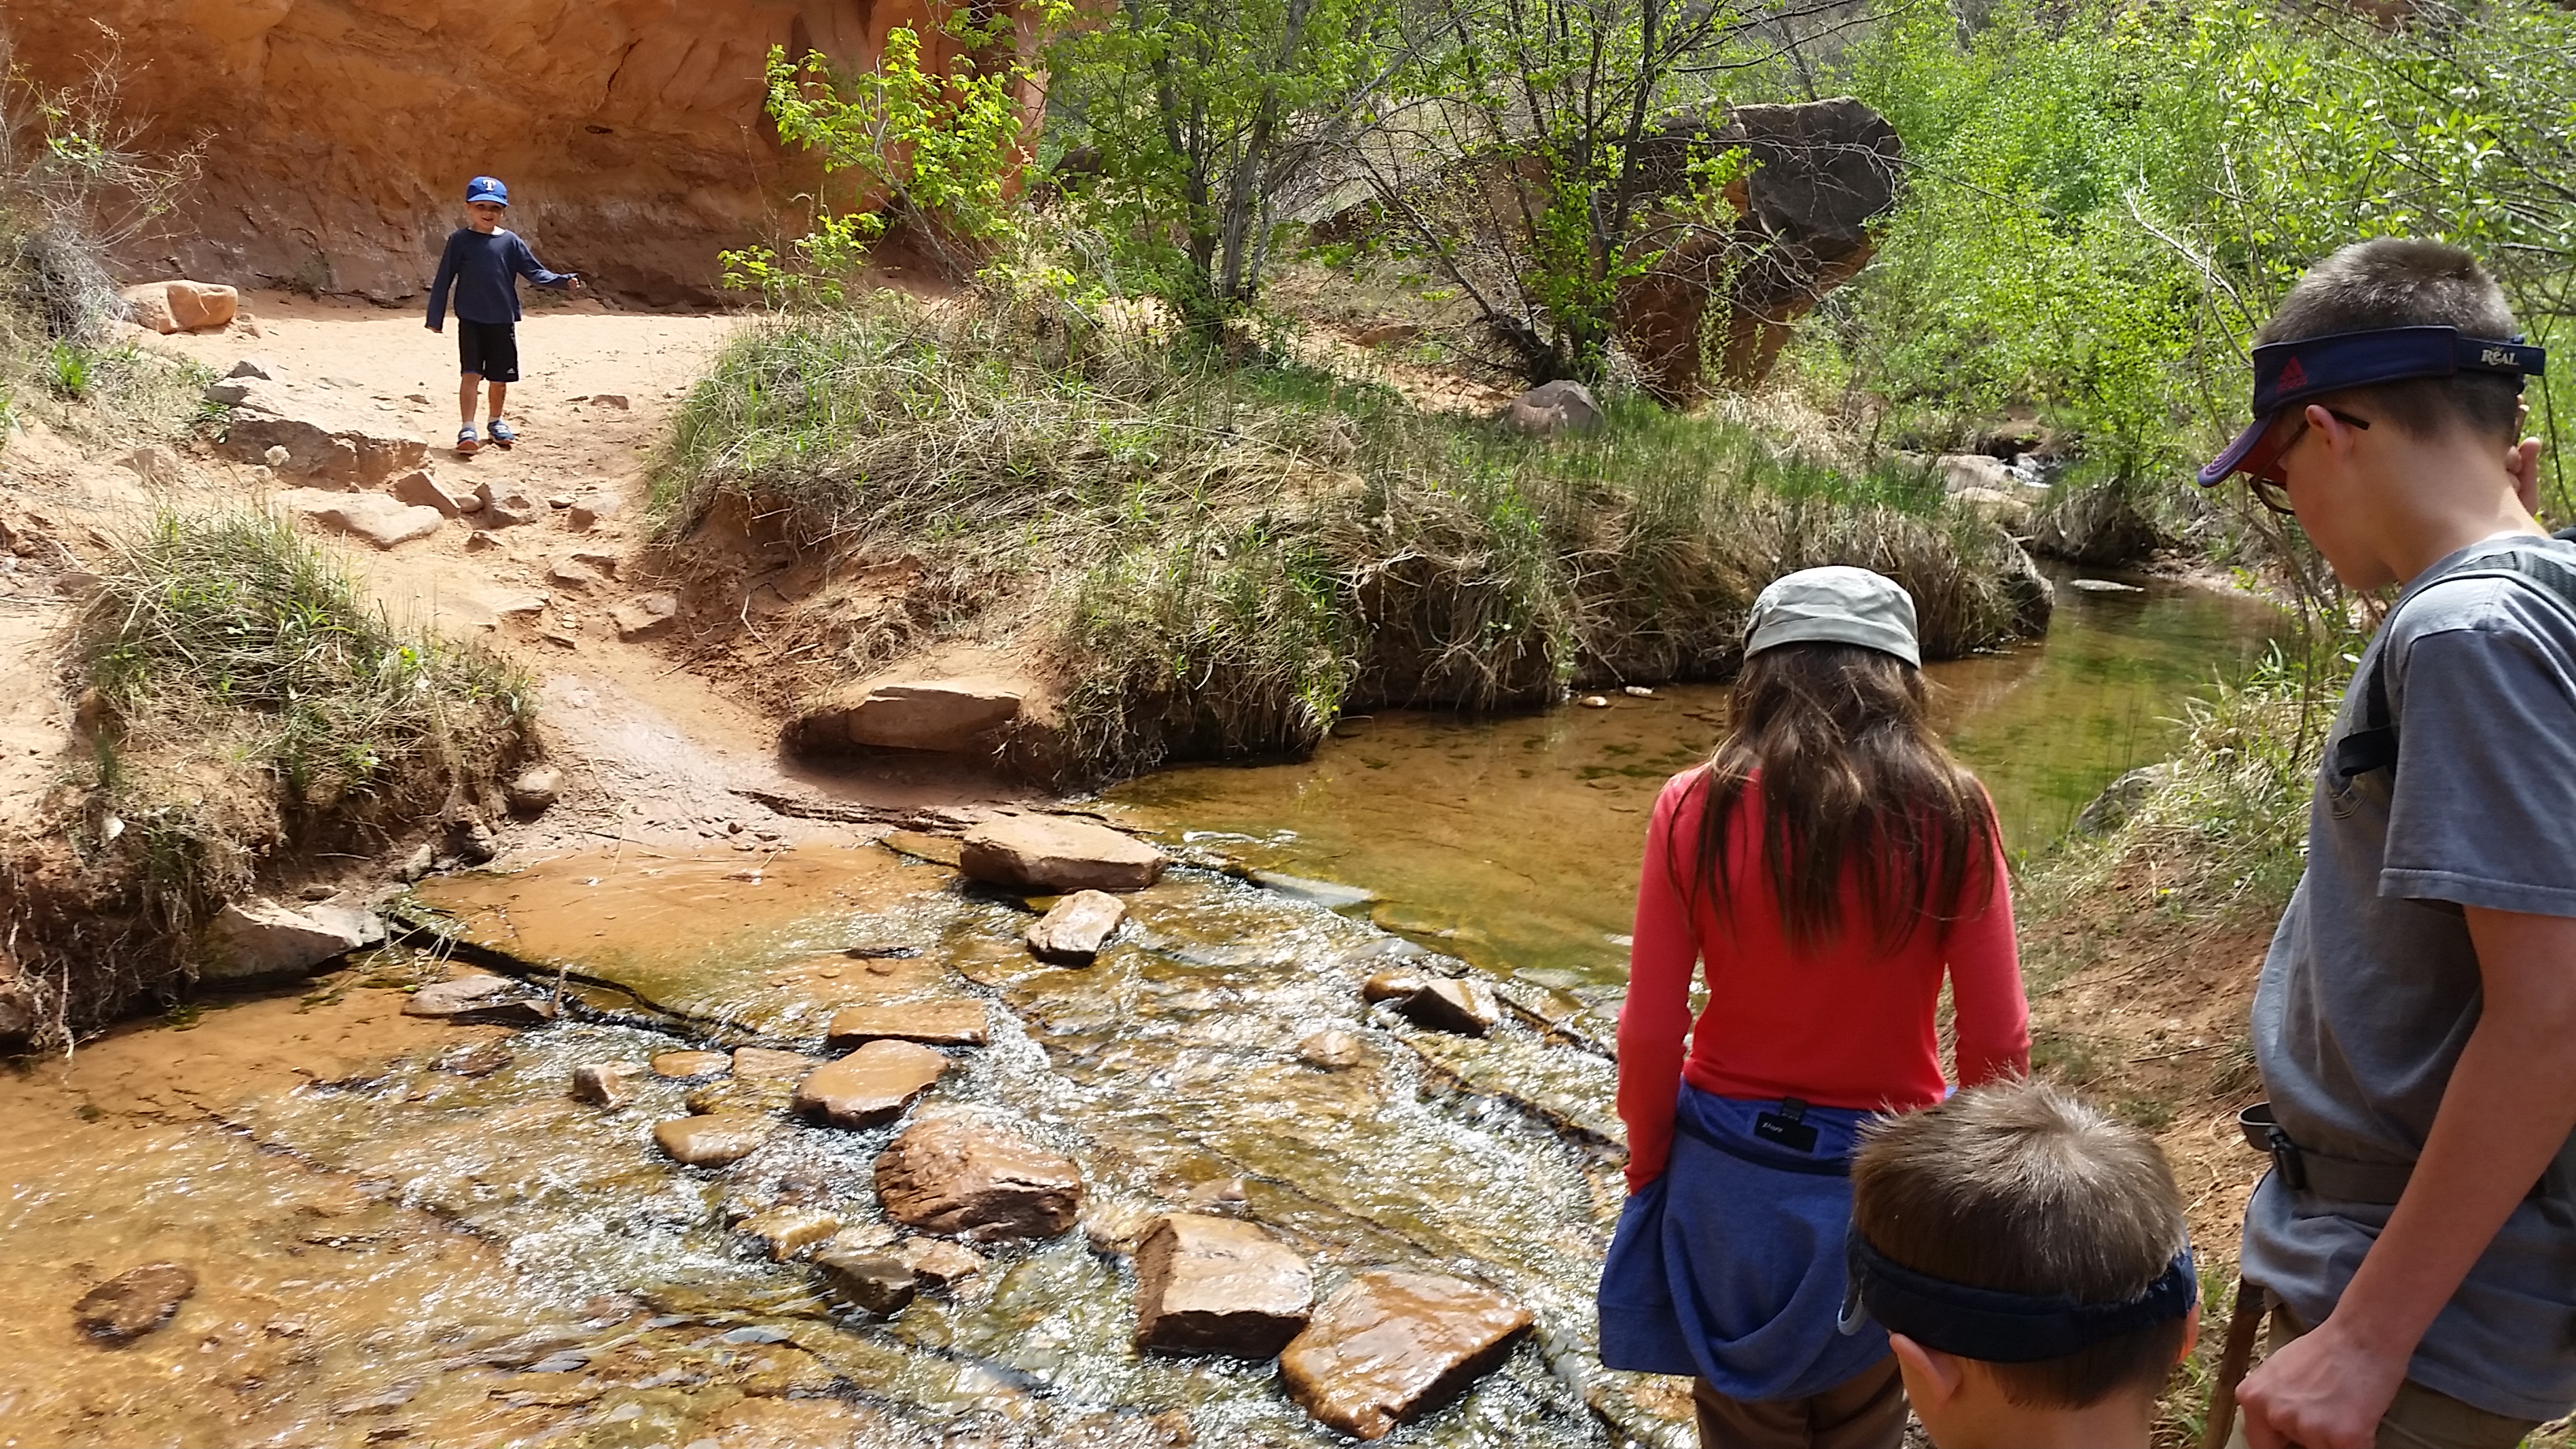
[{"x": 2262, "y": 471}]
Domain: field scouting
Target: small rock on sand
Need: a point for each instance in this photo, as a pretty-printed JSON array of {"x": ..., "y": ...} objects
[
  {"x": 134, "y": 1302},
  {"x": 646, "y": 616},
  {"x": 1390, "y": 1347},
  {"x": 1214, "y": 1285},
  {"x": 715, "y": 1140},
  {"x": 532, "y": 791},
  {"x": 1053, "y": 853},
  {"x": 1076, "y": 927}
]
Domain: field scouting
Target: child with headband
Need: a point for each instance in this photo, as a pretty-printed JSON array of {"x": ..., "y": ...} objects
[{"x": 2028, "y": 1259}]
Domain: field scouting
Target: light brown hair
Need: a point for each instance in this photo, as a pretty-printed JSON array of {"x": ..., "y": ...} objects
[
  {"x": 2395, "y": 282},
  {"x": 1854, "y": 783},
  {"x": 2019, "y": 1187}
]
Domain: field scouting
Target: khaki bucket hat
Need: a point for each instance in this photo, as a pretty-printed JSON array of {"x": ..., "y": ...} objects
[{"x": 1836, "y": 605}]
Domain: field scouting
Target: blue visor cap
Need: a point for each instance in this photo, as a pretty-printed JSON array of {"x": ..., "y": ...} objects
[
  {"x": 487, "y": 188},
  {"x": 1998, "y": 1327},
  {"x": 2292, "y": 372}
]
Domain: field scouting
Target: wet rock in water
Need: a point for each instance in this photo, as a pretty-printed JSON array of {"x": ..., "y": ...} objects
[
  {"x": 864, "y": 1239},
  {"x": 958, "y": 1177},
  {"x": 713, "y": 1140},
  {"x": 533, "y": 791},
  {"x": 874, "y": 1281},
  {"x": 753, "y": 1097},
  {"x": 605, "y": 1084},
  {"x": 871, "y": 1085},
  {"x": 953, "y": 1022},
  {"x": 1116, "y": 1228},
  {"x": 2104, "y": 586},
  {"x": 1390, "y": 1347},
  {"x": 1466, "y": 1007},
  {"x": 1076, "y": 927},
  {"x": 476, "y": 1061},
  {"x": 1214, "y": 1285},
  {"x": 1223, "y": 1195},
  {"x": 938, "y": 1262},
  {"x": 789, "y": 1231},
  {"x": 1052, "y": 853},
  {"x": 1333, "y": 1050},
  {"x": 480, "y": 1001},
  {"x": 381, "y": 1402},
  {"x": 134, "y": 1302},
  {"x": 1393, "y": 986},
  {"x": 753, "y": 1062},
  {"x": 261, "y": 937},
  {"x": 691, "y": 1064},
  {"x": 1331, "y": 895}
]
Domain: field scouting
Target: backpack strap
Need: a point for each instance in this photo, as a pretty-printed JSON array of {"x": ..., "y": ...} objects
[{"x": 2372, "y": 744}]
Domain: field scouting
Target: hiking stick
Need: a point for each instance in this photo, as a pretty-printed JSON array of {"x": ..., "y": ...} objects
[{"x": 2242, "y": 1321}]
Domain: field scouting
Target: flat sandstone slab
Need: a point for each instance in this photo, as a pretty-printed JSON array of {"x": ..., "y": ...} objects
[
  {"x": 691, "y": 1064},
  {"x": 715, "y": 1140},
  {"x": 871, "y": 1085},
  {"x": 957, "y": 1021},
  {"x": 1391, "y": 1347},
  {"x": 957, "y": 1177},
  {"x": 1075, "y": 928},
  {"x": 1053, "y": 854},
  {"x": 1217, "y": 1285}
]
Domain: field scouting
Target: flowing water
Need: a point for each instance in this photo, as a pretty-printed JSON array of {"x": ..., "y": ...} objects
[{"x": 408, "y": 1233}]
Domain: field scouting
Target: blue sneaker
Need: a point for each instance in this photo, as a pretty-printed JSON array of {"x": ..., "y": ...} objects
[
  {"x": 502, "y": 437},
  {"x": 466, "y": 441}
]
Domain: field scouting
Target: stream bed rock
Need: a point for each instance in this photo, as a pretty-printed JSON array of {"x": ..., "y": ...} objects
[
  {"x": 717, "y": 1139},
  {"x": 1392, "y": 1346},
  {"x": 957, "y": 1021},
  {"x": 871, "y": 1085},
  {"x": 1075, "y": 928},
  {"x": 134, "y": 1302},
  {"x": 962, "y": 1178},
  {"x": 1054, "y": 854},
  {"x": 1215, "y": 1285}
]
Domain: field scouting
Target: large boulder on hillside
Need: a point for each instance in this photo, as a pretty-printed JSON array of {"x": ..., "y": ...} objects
[
  {"x": 1391, "y": 1347},
  {"x": 1055, "y": 854},
  {"x": 631, "y": 131}
]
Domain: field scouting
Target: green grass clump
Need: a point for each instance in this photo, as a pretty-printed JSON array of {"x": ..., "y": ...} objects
[
  {"x": 252, "y": 700},
  {"x": 1226, "y": 554}
]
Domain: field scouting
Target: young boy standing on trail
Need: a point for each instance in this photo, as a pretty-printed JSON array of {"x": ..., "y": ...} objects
[
  {"x": 2028, "y": 1259},
  {"x": 484, "y": 262},
  {"x": 2415, "y": 1023},
  {"x": 1831, "y": 865}
]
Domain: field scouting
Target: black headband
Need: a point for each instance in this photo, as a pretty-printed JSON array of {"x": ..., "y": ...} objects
[{"x": 1997, "y": 1327}]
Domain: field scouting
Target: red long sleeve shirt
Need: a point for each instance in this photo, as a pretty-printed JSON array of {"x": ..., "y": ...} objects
[{"x": 1846, "y": 1024}]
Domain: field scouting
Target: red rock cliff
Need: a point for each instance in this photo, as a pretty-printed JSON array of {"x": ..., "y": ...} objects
[{"x": 340, "y": 133}]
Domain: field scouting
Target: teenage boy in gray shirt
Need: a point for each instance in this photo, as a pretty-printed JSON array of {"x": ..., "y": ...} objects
[{"x": 2415, "y": 1023}]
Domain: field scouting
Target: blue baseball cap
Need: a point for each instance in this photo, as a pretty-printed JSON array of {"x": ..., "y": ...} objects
[
  {"x": 487, "y": 188},
  {"x": 2288, "y": 373}
]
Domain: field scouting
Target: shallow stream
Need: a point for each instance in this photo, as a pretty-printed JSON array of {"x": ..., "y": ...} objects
[{"x": 408, "y": 1233}]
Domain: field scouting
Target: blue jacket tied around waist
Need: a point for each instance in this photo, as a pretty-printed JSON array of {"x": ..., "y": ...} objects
[{"x": 1730, "y": 1265}]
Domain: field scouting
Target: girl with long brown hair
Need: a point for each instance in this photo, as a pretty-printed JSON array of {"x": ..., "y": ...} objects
[{"x": 1830, "y": 867}]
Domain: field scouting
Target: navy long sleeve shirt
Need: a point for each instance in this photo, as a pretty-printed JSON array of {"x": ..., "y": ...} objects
[{"x": 484, "y": 268}]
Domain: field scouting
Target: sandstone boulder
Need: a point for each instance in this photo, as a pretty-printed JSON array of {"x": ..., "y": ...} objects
[
  {"x": 1053, "y": 853},
  {"x": 1075, "y": 928},
  {"x": 605, "y": 1084},
  {"x": 951, "y": 1022},
  {"x": 712, "y": 1140},
  {"x": 506, "y": 506},
  {"x": 874, "y": 1281},
  {"x": 871, "y": 1085},
  {"x": 646, "y": 616},
  {"x": 181, "y": 306},
  {"x": 148, "y": 306},
  {"x": 958, "y": 1177},
  {"x": 1464, "y": 1006},
  {"x": 1215, "y": 1285},
  {"x": 691, "y": 1064},
  {"x": 947, "y": 715},
  {"x": 421, "y": 489},
  {"x": 1551, "y": 408},
  {"x": 134, "y": 1302},
  {"x": 304, "y": 435},
  {"x": 380, "y": 520},
  {"x": 261, "y": 937},
  {"x": 1391, "y": 1346}
]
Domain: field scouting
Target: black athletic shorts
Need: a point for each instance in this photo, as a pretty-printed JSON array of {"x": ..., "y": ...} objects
[{"x": 489, "y": 348}]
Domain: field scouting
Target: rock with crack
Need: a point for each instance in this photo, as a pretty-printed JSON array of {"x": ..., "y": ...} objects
[
  {"x": 506, "y": 506},
  {"x": 419, "y": 488},
  {"x": 1054, "y": 854},
  {"x": 382, "y": 521},
  {"x": 261, "y": 937},
  {"x": 874, "y": 1281},
  {"x": 961, "y": 1178},
  {"x": 606, "y": 1084},
  {"x": 1392, "y": 1346},
  {"x": 713, "y": 1140},
  {"x": 313, "y": 438},
  {"x": 1214, "y": 1285},
  {"x": 134, "y": 1302},
  {"x": 179, "y": 305},
  {"x": 1075, "y": 928},
  {"x": 955, "y": 1021},
  {"x": 1465, "y": 1006},
  {"x": 871, "y": 1085}
]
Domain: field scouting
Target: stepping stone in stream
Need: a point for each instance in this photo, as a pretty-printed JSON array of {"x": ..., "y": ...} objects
[
  {"x": 1075, "y": 929},
  {"x": 1049, "y": 853},
  {"x": 877, "y": 1282},
  {"x": 606, "y": 1084},
  {"x": 134, "y": 1302},
  {"x": 957, "y": 1177},
  {"x": 754, "y": 1096},
  {"x": 954, "y": 1022},
  {"x": 788, "y": 1231},
  {"x": 716, "y": 1140},
  {"x": 937, "y": 1262},
  {"x": 691, "y": 1064},
  {"x": 1215, "y": 1285},
  {"x": 1467, "y": 1007},
  {"x": 752, "y": 1063},
  {"x": 1391, "y": 1347},
  {"x": 871, "y": 1085}
]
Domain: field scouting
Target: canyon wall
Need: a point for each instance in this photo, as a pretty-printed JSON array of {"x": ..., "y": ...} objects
[{"x": 339, "y": 134}]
